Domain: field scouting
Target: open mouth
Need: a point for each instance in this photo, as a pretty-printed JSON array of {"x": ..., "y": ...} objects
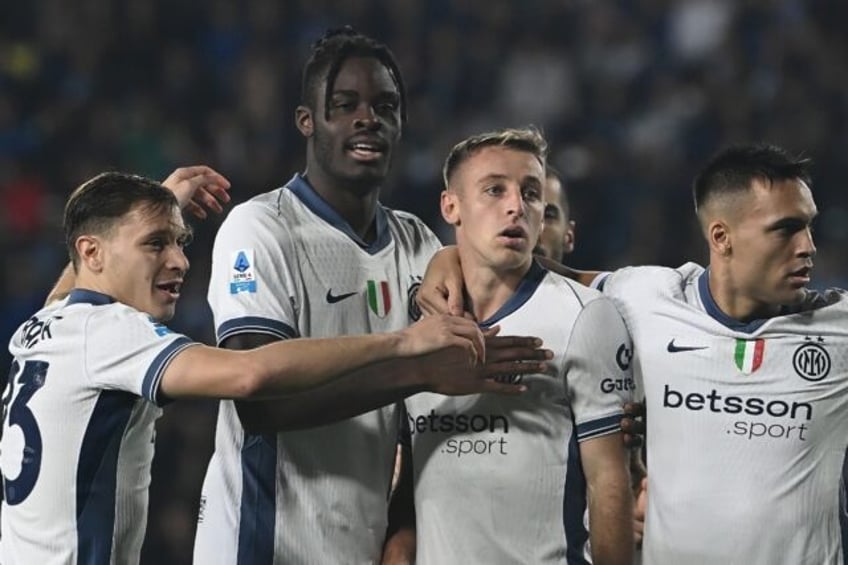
[
  {"x": 801, "y": 276},
  {"x": 171, "y": 288},
  {"x": 366, "y": 149},
  {"x": 514, "y": 236}
]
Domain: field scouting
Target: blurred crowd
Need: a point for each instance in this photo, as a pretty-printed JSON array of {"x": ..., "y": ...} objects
[{"x": 633, "y": 96}]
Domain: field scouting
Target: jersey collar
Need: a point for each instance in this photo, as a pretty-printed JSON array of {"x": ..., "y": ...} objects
[
  {"x": 321, "y": 208},
  {"x": 83, "y": 296},
  {"x": 715, "y": 312},
  {"x": 522, "y": 294}
]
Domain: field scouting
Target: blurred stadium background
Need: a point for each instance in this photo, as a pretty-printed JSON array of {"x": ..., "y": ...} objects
[{"x": 633, "y": 95}]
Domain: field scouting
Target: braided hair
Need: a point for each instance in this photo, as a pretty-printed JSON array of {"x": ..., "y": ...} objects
[{"x": 328, "y": 54}]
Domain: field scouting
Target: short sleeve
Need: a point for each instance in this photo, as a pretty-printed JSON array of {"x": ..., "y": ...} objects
[
  {"x": 126, "y": 350},
  {"x": 251, "y": 285},
  {"x": 598, "y": 373}
]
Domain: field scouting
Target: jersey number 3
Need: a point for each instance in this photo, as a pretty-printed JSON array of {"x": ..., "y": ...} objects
[{"x": 17, "y": 413}]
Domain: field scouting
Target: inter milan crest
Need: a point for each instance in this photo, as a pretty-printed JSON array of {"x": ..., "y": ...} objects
[
  {"x": 379, "y": 298},
  {"x": 414, "y": 310},
  {"x": 811, "y": 360}
]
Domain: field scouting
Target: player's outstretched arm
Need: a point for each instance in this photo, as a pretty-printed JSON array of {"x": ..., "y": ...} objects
[
  {"x": 400, "y": 545},
  {"x": 441, "y": 289},
  {"x": 605, "y": 465},
  {"x": 299, "y": 364},
  {"x": 197, "y": 189},
  {"x": 369, "y": 388}
]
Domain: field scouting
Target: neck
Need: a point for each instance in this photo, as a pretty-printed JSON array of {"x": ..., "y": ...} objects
[
  {"x": 489, "y": 288},
  {"x": 355, "y": 203},
  {"x": 733, "y": 301}
]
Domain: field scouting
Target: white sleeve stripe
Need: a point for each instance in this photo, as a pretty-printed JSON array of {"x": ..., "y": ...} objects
[
  {"x": 255, "y": 324},
  {"x": 599, "y": 427},
  {"x": 150, "y": 384}
]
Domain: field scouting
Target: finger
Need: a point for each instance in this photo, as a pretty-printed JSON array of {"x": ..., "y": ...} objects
[
  {"x": 470, "y": 332},
  {"x": 496, "y": 354},
  {"x": 491, "y": 331},
  {"x": 208, "y": 200},
  {"x": 631, "y": 426},
  {"x": 195, "y": 210},
  {"x": 503, "y": 388},
  {"x": 506, "y": 342},
  {"x": 431, "y": 300},
  {"x": 492, "y": 370},
  {"x": 453, "y": 288},
  {"x": 182, "y": 173},
  {"x": 218, "y": 186},
  {"x": 634, "y": 409},
  {"x": 631, "y": 441}
]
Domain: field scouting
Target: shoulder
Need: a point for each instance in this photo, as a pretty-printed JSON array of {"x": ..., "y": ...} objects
[
  {"x": 572, "y": 289},
  {"x": 411, "y": 230},
  {"x": 650, "y": 280},
  {"x": 268, "y": 205}
]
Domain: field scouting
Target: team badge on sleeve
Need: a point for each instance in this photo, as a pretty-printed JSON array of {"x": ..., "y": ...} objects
[
  {"x": 242, "y": 276},
  {"x": 379, "y": 298}
]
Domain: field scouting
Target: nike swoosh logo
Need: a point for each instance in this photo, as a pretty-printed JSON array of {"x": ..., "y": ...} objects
[
  {"x": 678, "y": 348},
  {"x": 333, "y": 298}
]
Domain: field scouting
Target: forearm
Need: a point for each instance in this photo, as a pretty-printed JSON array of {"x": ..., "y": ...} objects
[
  {"x": 610, "y": 500},
  {"x": 300, "y": 364},
  {"x": 355, "y": 393},
  {"x": 63, "y": 286},
  {"x": 611, "y": 520}
]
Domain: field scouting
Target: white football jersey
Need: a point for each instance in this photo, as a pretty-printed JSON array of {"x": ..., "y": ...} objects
[
  {"x": 286, "y": 264},
  {"x": 747, "y": 423},
  {"x": 498, "y": 479},
  {"x": 78, "y": 429}
]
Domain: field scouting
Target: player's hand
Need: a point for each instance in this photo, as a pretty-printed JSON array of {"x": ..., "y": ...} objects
[
  {"x": 640, "y": 507},
  {"x": 199, "y": 188},
  {"x": 441, "y": 289},
  {"x": 443, "y": 332},
  {"x": 632, "y": 424},
  {"x": 507, "y": 357}
]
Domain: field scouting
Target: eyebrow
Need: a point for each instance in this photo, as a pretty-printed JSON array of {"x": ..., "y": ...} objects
[
  {"x": 175, "y": 232},
  {"x": 791, "y": 222}
]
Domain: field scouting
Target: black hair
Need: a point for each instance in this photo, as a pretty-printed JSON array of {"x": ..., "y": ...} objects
[
  {"x": 552, "y": 172},
  {"x": 99, "y": 203},
  {"x": 328, "y": 54},
  {"x": 733, "y": 169}
]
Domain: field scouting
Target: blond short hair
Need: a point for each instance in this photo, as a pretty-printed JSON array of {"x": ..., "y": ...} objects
[{"x": 528, "y": 139}]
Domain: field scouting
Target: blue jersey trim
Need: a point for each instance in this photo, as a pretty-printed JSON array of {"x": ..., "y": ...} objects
[
  {"x": 255, "y": 324},
  {"x": 258, "y": 500},
  {"x": 97, "y": 476},
  {"x": 301, "y": 188},
  {"x": 715, "y": 312},
  {"x": 574, "y": 506},
  {"x": 599, "y": 427},
  {"x": 522, "y": 294},
  {"x": 83, "y": 296},
  {"x": 153, "y": 376}
]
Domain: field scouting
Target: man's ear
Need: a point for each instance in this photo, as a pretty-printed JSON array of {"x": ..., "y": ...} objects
[
  {"x": 450, "y": 207},
  {"x": 719, "y": 238},
  {"x": 90, "y": 251},
  {"x": 303, "y": 121},
  {"x": 568, "y": 237}
]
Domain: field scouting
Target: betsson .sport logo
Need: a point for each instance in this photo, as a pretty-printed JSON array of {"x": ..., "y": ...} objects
[
  {"x": 775, "y": 419},
  {"x": 489, "y": 431}
]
